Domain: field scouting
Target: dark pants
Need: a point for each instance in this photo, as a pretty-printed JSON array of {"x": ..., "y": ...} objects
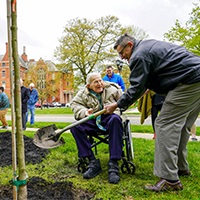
[
  {"x": 24, "y": 120},
  {"x": 114, "y": 129}
]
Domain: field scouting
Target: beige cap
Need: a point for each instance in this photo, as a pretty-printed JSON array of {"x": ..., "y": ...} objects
[{"x": 31, "y": 85}]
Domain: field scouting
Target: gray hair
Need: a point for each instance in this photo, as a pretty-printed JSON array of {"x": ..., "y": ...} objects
[
  {"x": 90, "y": 77},
  {"x": 123, "y": 40}
]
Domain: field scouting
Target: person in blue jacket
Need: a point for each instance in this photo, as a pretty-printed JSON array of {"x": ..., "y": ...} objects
[
  {"x": 31, "y": 103},
  {"x": 112, "y": 77},
  {"x": 4, "y": 105}
]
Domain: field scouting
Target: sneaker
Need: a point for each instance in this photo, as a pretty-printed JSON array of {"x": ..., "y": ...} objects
[
  {"x": 113, "y": 172},
  {"x": 93, "y": 169},
  {"x": 194, "y": 139},
  {"x": 4, "y": 127}
]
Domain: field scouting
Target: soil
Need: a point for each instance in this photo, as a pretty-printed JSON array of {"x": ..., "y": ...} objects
[{"x": 37, "y": 188}]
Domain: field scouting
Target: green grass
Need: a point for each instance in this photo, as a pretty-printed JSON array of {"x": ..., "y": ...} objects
[
  {"x": 61, "y": 165},
  {"x": 63, "y": 110}
]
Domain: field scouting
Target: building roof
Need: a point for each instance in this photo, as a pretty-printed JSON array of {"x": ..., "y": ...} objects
[{"x": 51, "y": 65}]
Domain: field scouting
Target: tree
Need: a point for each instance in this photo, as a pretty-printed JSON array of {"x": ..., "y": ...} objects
[
  {"x": 87, "y": 45},
  {"x": 188, "y": 35},
  {"x": 20, "y": 183}
]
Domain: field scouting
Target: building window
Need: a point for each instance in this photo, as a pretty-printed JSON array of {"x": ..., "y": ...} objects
[
  {"x": 3, "y": 73},
  {"x": 41, "y": 78},
  {"x": 3, "y": 64},
  {"x": 4, "y": 84}
]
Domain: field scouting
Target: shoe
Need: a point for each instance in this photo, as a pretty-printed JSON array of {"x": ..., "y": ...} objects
[
  {"x": 23, "y": 129},
  {"x": 113, "y": 172},
  {"x": 93, "y": 169},
  {"x": 154, "y": 136},
  {"x": 194, "y": 139},
  {"x": 4, "y": 127},
  {"x": 184, "y": 173},
  {"x": 163, "y": 185}
]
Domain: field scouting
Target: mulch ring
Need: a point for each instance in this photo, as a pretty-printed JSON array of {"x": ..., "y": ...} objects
[{"x": 37, "y": 188}]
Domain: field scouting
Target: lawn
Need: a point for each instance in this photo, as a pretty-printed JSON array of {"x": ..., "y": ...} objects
[{"x": 61, "y": 164}]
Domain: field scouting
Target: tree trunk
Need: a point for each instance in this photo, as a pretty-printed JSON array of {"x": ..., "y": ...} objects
[
  {"x": 22, "y": 190},
  {"x": 14, "y": 156}
]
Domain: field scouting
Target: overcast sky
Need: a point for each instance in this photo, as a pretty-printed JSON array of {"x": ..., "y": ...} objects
[{"x": 41, "y": 22}]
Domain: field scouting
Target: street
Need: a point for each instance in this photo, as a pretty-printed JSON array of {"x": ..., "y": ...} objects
[{"x": 134, "y": 119}]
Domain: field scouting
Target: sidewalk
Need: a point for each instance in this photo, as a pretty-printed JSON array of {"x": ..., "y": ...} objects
[{"x": 148, "y": 136}]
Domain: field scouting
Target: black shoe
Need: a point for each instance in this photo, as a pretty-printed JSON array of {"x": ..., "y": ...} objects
[
  {"x": 184, "y": 173},
  {"x": 113, "y": 172},
  {"x": 93, "y": 169}
]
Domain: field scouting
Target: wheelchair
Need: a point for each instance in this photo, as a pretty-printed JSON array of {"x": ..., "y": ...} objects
[{"x": 127, "y": 165}]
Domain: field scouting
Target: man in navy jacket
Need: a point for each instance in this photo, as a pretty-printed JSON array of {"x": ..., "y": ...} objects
[{"x": 166, "y": 69}]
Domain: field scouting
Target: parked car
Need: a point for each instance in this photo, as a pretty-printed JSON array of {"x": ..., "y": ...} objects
[
  {"x": 56, "y": 104},
  {"x": 47, "y": 105},
  {"x": 38, "y": 105},
  {"x": 67, "y": 105}
]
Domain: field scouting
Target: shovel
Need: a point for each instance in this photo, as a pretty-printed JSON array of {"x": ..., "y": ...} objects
[{"x": 47, "y": 137}]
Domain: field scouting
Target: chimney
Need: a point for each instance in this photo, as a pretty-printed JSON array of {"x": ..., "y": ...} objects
[
  {"x": 24, "y": 56},
  {"x": 6, "y": 47}
]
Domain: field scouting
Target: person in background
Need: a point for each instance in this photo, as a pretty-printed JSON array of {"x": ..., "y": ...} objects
[
  {"x": 91, "y": 99},
  {"x": 25, "y": 95},
  {"x": 31, "y": 103},
  {"x": 4, "y": 105},
  {"x": 112, "y": 77},
  {"x": 168, "y": 69}
]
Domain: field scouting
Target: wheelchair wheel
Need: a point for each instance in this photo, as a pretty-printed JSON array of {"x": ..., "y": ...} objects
[
  {"x": 128, "y": 167},
  {"x": 82, "y": 166},
  {"x": 129, "y": 141}
]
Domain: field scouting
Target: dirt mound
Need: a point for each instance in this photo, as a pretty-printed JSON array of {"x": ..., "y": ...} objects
[
  {"x": 37, "y": 188},
  {"x": 33, "y": 153}
]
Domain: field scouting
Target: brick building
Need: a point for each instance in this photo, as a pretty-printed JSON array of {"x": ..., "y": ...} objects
[{"x": 52, "y": 84}]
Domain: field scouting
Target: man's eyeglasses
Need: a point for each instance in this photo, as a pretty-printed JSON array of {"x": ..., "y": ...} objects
[{"x": 121, "y": 52}]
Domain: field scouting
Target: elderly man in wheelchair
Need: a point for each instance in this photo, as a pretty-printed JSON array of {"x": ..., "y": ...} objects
[{"x": 92, "y": 98}]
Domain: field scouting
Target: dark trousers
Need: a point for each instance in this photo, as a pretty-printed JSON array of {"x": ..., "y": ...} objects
[
  {"x": 114, "y": 129},
  {"x": 154, "y": 113},
  {"x": 24, "y": 120}
]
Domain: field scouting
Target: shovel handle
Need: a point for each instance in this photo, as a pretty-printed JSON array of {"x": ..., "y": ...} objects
[{"x": 92, "y": 116}]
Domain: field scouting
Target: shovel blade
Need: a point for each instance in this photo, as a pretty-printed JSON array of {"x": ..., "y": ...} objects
[{"x": 43, "y": 140}]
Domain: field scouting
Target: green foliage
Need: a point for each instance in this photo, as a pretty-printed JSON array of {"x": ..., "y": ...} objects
[
  {"x": 188, "y": 35},
  {"x": 87, "y": 45}
]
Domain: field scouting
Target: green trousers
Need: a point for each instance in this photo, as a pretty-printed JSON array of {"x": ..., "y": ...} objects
[{"x": 179, "y": 112}]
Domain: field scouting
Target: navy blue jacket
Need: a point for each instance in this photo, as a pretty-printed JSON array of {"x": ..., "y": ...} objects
[
  {"x": 25, "y": 95},
  {"x": 159, "y": 66}
]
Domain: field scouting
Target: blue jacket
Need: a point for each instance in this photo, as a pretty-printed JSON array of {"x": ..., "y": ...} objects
[
  {"x": 4, "y": 100},
  {"x": 115, "y": 78},
  {"x": 33, "y": 97}
]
